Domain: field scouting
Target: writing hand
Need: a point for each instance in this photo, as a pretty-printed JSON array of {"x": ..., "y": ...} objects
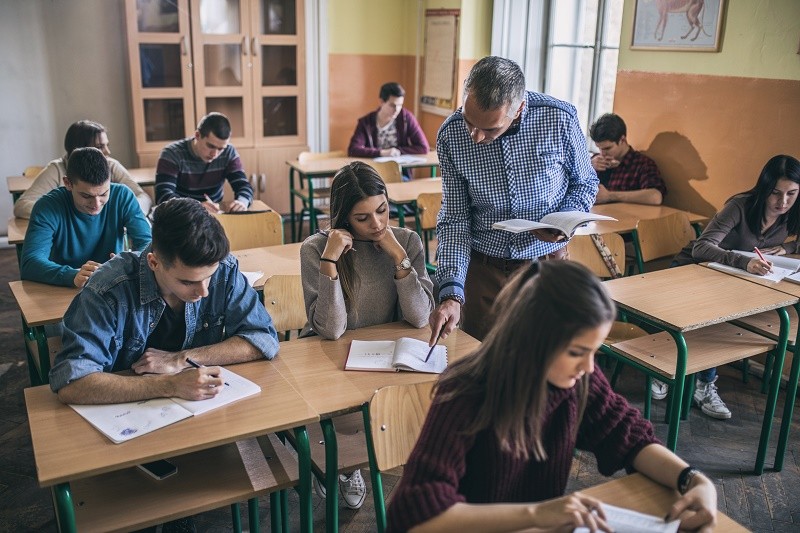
[
  {"x": 197, "y": 383},
  {"x": 573, "y": 510},
  {"x": 759, "y": 266},
  {"x": 154, "y": 361},
  {"x": 697, "y": 509},
  {"x": 236, "y": 206},
  {"x": 548, "y": 235},
  {"x": 85, "y": 272},
  {"x": 444, "y": 319},
  {"x": 211, "y": 206}
]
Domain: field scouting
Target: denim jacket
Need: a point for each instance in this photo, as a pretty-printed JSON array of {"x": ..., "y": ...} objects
[{"x": 107, "y": 324}]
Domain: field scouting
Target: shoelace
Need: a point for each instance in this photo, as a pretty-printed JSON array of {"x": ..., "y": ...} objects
[{"x": 355, "y": 484}]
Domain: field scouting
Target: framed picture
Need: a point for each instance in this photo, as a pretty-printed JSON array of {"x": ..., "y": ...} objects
[{"x": 686, "y": 25}]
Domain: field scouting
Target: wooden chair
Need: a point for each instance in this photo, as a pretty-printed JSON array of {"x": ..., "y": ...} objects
[
  {"x": 428, "y": 206},
  {"x": 283, "y": 298},
  {"x": 393, "y": 420},
  {"x": 662, "y": 237},
  {"x": 582, "y": 249},
  {"x": 32, "y": 171},
  {"x": 389, "y": 171},
  {"x": 252, "y": 230},
  {"x": 313, "y": 192}
]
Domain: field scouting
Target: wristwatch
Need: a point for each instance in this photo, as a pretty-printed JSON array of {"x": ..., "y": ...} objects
[
  {"x": 405, "y": 264},
  {"x": 685, "y": 478}
]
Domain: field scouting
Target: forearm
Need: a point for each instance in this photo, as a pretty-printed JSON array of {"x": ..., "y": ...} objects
[
  {"x": 230, "y": 351},
  {"x": 498, "y": 517},
  {"x": 165, "y": 187},
  {"x": 327, "y": 313},
  {"x": 659, "y": 464},
  {"x": 642, "y": 196},
  {"x": 104, "y": 388}
]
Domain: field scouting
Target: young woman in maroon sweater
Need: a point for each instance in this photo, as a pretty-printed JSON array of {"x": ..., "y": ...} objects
[{"x": 504, "y": 421}]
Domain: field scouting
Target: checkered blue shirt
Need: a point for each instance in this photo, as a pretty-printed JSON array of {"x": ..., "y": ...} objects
[{"x": 538, "y": 168}]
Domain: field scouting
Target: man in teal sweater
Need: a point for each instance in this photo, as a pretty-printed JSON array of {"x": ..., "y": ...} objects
[{"x": 77, "y": 227}]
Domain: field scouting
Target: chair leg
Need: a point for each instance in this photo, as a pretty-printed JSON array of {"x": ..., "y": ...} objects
[
  {"x": 618, "y": 366},
  {"x": 252, "y": 515},
  {"x": 688, "y": 394},
  {"x": 374, "y": 474},
  {"x": 745, "y": 370},
  {"x": 236, "y": 518},
  {"x": 768, "y": 364},
  {"x": 275, "y": 511},
  {"x": 284, "y": 498},
  {"x": 648, "y": 398}
]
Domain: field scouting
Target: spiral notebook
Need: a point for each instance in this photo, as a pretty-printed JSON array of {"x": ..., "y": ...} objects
[{"x": 393, "y": 356}]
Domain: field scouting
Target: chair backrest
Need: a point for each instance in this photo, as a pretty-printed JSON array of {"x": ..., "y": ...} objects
[
  {"x": 305, "y": 157},
  {"x": 389, "y": 171},
  {"x": 32, "y": 171},
  {"x": 396, "y": 415},
  {"x": 252, "y": 230},
  {"x": 664, "y": 236},
  {"x": 428, "y": 204},
  {"x": 583, "y": 250},
  {"x": 283, "y": 298}
]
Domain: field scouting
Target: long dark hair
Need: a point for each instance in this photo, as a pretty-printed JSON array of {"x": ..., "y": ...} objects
[
  {"x": 780, "y": 166},
  {"x": 351, "y": 184},
  {"x": 536, "y": 315}
]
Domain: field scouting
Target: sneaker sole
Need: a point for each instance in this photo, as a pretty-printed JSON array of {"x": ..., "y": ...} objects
[
  {"x": 655, "y": 396},
  {"x": 714, "y": 414}
]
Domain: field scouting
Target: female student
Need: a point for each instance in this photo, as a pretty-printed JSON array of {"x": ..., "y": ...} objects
[
  {"x": 763, "y": 217},
  {"x": 81, "y": 134},
  {"x": 500, "y": 434},
  {"x": 362, "y": 272}
]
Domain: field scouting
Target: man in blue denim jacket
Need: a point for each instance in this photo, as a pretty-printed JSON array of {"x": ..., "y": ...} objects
[{"x": 183, "y": 299}]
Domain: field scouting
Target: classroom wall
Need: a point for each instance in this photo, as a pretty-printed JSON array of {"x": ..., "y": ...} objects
[
  {"x": 53, "y": 75},
  {"x": 711, "y": 120}
]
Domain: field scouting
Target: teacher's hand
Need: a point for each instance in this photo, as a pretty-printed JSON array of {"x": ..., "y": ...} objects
[{"x": 548, "y": 235}]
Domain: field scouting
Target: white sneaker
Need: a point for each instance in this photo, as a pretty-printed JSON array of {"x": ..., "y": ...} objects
[
  {"x": 658, "y": 389},
  {"x": 707, "y": 398},
  {"x": 353, "y": 489},
  {"x": 319, "y": 487}
]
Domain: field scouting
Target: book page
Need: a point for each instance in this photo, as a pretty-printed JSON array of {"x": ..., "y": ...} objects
[
  {"x": 794, "y": 278},
  {"x": 252, "y": 277},
  {"x": 124, "y": 421},
  {"x": 370, "y": 355},
  {"x": 405, "y": 159},
  {"x": 777, "y": 260},
  {"x": 519, "y": 225},
  {"x": 627, "y": 521},
  {"x": 568, "y": 221},
  {"x": 410, "y": 354},
  {"x": 776, "y": 275},
  {"x": 236, "y": 387}
]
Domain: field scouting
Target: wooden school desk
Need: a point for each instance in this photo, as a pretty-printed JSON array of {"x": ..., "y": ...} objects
[
  {"x": 42, "y": 304},
  {"x": 70, "y": 454},
  {"x": 680, "y": 300},
  {"x": 640, "y": 493},
  {"x": 325, "y": 168},
  {"x": 19, "y": 184},
  {"x": 792, "y": 289},
  {"x": 315, "y": 367},
  {"x": 407, "y": 192},
  {"x": 628, "y": 215}
]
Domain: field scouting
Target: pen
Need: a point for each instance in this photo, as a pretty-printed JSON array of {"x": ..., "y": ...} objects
[
  {"x": 439, "y": 336},
  {"x": 761, "y": 256},
  {"x": 198, "y": 365}
]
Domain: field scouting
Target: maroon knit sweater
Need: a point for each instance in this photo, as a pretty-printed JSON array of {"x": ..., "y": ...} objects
[{"x": 447, "y": 467}]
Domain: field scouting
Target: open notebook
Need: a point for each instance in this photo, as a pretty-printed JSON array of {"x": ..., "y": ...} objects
[
  {"x": 627, "y": 521},
  {"x": 783, "y": 268},
  {"x": 125, "y": 421},
  {"x": 392, "y": 356}
]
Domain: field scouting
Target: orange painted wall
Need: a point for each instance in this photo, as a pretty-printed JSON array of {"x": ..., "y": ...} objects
[
  {"x": 710, "y": 135},
  {"x": 354, "y": 83}
]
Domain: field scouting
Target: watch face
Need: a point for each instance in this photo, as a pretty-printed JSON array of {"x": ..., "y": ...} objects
[{"x": 405, "y": 264}]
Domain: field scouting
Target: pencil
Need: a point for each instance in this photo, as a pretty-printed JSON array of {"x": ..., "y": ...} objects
[
  {"x": 439, "y": 336},
  {"x": 761, "y": 256}
]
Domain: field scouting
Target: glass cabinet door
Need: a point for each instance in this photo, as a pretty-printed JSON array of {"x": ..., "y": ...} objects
[
  {"x": 279, "y": 72},
  {"x": 223, "y": 60},
  {"x": 161, "y": 71}
]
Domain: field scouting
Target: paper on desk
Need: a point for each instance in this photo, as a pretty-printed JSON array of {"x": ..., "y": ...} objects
[
  {"x": 252, "y": 277},
  {"x": 775, "y": 275},
  {"x": 627, "y": 521},
  {"x": 402, "y": 159}
]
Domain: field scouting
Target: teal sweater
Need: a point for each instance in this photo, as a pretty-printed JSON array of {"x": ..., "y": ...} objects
[{"x": 60, "y": 239}]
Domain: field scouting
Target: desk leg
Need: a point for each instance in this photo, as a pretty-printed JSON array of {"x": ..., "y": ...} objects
[
  {"x": 65, "y": 513},
  {"x": 38, "y": 372},
  {"x": 788, "y": 408},
  {"x": 638, "y": 251},
  {"x": 401, "y": 215},
  {"x": 291, "y": 202},
  {"x": 676, "y": 396},
  {"x": 331, "y": 475},
  {"x": 774, "y": 388},
  {"x": 375, "y": 475},
  {"x": 304, "y": 460}
]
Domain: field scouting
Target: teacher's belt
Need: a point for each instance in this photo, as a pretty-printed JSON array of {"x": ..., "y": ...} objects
[{"x": 510, "y": 265}]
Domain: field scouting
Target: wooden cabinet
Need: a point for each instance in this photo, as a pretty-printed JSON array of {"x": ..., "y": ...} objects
[{"x": 243, "y": 58}]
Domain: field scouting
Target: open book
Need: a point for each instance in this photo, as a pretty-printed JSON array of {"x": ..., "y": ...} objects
[
  {"x": 405, "y": 159},
  {"x": 627, "y": 521},
  {"x": 782, "y": 268},
  {"x": 392, "y": 356},
  {"x": 564, "y": 221},
  {"x": 124, "y": 421}
]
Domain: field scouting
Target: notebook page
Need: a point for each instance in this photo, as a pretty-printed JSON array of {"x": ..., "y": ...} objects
[
  {"x": 776, "y": 275},
  {"x": 410, "y": 354},
  {"x": 124, "y": 421},
  {"x": 776, "y": 260},
  {"x": 235, "y": 388},
  {"x": 370, "y": 355},
  {"x": 627, "y": 521}
]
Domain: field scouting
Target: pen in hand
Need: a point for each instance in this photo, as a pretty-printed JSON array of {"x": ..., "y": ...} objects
[
  {"x": 439, "y": 336},
  {"x": 761, "y": 256},
  {"x": 195, "y": 364}
]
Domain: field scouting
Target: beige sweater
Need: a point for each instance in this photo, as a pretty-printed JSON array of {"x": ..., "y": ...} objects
[{"x": 379, "y": 298}]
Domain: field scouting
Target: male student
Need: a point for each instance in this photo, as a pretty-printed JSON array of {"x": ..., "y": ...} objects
[
  {"x": 625, "y": 174},
  {"x": 183, "y": 298},
  {"x": 75, "y": 228},
  {"x": 197, "y": 167}
]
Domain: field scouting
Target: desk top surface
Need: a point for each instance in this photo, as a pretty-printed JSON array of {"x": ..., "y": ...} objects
[
  {"x": 315, "y": 366},
  {"x": 66, "y": 447},
  {"x": 17, "y": 227},
  {"x": 641, "y": 494},
  {"x": 142, "y": 176},
  {"x": 408, "y": 191},
  {"x": 329, "y": 166},
  {"x": 691, "y": 297},
  {"x": 283, "y": 259},
  {"x": 628, "y": 215}
]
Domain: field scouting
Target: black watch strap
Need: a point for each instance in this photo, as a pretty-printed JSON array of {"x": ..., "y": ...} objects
[{"x": 685, "y": 478}]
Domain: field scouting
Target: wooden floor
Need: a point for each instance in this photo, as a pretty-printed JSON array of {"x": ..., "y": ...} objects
[{"x": 723, "y": 449}]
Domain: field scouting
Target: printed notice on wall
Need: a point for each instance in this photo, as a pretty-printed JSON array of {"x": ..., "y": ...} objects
[{"x": 441, "y": 41}]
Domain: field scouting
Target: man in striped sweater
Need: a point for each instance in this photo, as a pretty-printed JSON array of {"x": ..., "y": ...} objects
[{"x": 197, "y": 167}]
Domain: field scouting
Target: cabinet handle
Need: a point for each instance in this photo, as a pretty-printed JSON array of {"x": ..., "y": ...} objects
[
  {"x": 254, "y": 46},
  {"x": 184, "y": 46},
  {"x": 262, "y": 184},
  {"x": 244, "y": 45}
]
